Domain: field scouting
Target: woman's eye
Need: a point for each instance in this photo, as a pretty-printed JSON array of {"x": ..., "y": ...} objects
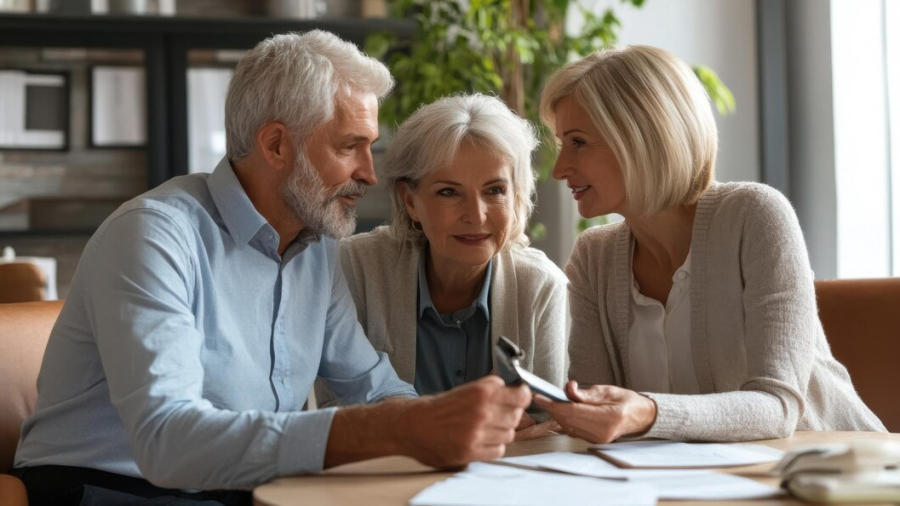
[
  {"x": 496, "y": 190},
  {"x": 577, "y": 142},
  {"x": 446, "y": 192}
]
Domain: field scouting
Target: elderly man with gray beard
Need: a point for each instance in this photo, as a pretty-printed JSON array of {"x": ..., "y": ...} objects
[{"x": 202, "y": 311}]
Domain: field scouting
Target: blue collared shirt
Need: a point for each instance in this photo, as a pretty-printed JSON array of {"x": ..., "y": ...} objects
[
  {"x": 187, "y": 347},
  {"x": 452, "y": 348}
]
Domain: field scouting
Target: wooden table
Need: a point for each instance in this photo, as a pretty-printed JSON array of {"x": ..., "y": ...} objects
[{"x": 393, "y": 481}]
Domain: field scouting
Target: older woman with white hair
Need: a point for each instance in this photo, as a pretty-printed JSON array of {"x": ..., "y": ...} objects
[
  {"x": 453, "y": 271},
  {"x": 702, "y": 299}
]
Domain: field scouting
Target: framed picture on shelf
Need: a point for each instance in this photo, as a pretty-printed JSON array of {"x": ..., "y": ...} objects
[
  {"x": 118, "y": 101},
  {"x": 34, "y": 110}
]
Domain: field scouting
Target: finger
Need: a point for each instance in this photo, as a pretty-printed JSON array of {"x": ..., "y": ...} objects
[
  {"x": 534, "y": 432},
  {"x": 545, "y": 403},
  {"x": 491, "y": 380},
  {"x": 505, "y": 418},
  {"x": 518, "y": 396},
  {"x": 492, "y": 436},
  {"x": 491, "y": 452},
  {"x": 525, "y": 422}
]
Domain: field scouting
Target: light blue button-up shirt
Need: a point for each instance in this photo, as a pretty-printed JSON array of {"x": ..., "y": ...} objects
[{"x": 187, "y": 347}]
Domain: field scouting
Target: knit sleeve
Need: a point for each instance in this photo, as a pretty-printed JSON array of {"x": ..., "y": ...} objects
[{"x": 589, "y": 359}]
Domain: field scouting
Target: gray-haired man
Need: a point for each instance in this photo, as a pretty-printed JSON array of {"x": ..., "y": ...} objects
[{"x": 202, "y": 311}]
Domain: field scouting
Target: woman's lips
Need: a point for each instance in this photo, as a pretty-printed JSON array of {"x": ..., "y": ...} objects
[
  {"x": 472, "y": 239},
  {"x": 579, "y": 191}
]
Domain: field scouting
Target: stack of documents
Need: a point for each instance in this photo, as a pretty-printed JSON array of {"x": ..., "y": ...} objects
[
  {"x": 492, "y": 485},
  {"x": 667, "y": 454},
  {"x": 648, "y": 471}
]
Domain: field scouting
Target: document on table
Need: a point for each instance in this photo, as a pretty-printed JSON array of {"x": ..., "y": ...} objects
[
  {"x": 670, "y": 484},
  {"x": 672, "y": 455},
  {"x": 584, "y": 464},
  {"x": 488, "y": 485}
]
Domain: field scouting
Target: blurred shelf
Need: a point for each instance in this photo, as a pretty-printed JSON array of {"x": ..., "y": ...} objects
[
  {"x": 53, "y": 26},
  {"x": 13, "y": 234},
  {"x": 166, "y": 42}
]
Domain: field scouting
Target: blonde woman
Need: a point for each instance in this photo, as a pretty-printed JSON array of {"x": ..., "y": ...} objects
[
  {"x": 453, "y": 271},
  {"x": 702, "y": 299}
]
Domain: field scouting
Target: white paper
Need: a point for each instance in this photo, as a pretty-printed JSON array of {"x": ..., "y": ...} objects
[
  {"x": 668, "y": 454},
  {"x": 670, "y": 484},
  {"x": 592, "y": 465},
  {"x": 119, "y": 112},
  {"x": 710, "y": 487},
  {"x": 493, "y": 485}
]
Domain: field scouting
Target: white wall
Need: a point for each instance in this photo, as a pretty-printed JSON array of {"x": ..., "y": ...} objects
[{"x": 718, "y": 34}]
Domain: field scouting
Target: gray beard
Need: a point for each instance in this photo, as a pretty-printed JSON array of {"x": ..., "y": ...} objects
[{"x": 312, "y": 204}]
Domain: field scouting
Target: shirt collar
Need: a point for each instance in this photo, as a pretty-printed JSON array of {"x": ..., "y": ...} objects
[
  {"x": 241, "y": 218},
  {"x": 482, "y": 302}
]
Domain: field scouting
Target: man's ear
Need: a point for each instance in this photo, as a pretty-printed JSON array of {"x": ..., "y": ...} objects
[
  {"x": 406, "y": 195},
  {"x": 275, "y": 145}
]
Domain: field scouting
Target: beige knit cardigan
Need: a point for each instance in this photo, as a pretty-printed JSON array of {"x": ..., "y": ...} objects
[
  {"x": 761, "y": 358},
  {"x": 527, "y": 297}
]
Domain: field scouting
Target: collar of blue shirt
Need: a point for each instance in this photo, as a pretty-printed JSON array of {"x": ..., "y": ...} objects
[
  {"x": 240, "y": 216},
  {"x": 482, "y": 302}
]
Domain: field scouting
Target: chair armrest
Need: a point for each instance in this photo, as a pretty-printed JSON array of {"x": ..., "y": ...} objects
[{"x": 12, "y": 491}]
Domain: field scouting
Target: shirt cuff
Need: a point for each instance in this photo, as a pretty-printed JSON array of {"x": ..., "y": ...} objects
[{"x": 303, "y": 444}]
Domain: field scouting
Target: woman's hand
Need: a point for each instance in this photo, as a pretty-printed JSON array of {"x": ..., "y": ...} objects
[
  {"x": 601, "y": 413},
  {"x": 538, "y": 430}
]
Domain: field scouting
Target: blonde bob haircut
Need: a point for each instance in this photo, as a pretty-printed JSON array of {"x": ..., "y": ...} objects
[
  {"x": 655, "y": 115},
  {"x": 432, "y": 136}
]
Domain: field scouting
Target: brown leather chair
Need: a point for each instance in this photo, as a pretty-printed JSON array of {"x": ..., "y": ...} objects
[
  {"x": 20, "y": 282},
  {"x": 861, "y": 318},
  {"x": 24, "y": 330}
]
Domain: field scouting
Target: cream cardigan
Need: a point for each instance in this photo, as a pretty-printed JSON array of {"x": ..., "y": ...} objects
[
  {"x": 528, "y": 303},
  {"x": 761, "y": 358}
]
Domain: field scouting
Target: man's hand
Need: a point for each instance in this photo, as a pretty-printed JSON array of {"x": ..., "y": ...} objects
[
  {"x": 472, "y": 422},
  {"x": 601, "y": 413},
  {"x": 538, "y": 430}
]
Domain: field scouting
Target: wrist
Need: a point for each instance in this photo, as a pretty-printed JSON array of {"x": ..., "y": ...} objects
[{"x": 649, "y": 413}]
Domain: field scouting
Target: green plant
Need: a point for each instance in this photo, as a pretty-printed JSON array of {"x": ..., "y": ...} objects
[{"x": 506, "y": 47}]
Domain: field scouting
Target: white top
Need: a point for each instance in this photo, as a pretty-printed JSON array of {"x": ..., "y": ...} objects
[{"x": 659, "y": 338}]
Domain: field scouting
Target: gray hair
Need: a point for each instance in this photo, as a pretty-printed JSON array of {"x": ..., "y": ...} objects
[
  {"x": 430, "y": 139},
  {"x": 296, "y": 80}
]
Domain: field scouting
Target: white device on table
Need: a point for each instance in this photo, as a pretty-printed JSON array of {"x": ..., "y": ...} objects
[{"x": 865, "y": 470}]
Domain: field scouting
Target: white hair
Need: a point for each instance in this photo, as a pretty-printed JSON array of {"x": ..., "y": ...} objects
[
  {"x": 296, "y": 80},
  {"x": 430, "y": 139}
]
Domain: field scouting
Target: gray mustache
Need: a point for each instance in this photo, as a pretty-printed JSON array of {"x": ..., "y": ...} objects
[{"x": 353, "y": 188}]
